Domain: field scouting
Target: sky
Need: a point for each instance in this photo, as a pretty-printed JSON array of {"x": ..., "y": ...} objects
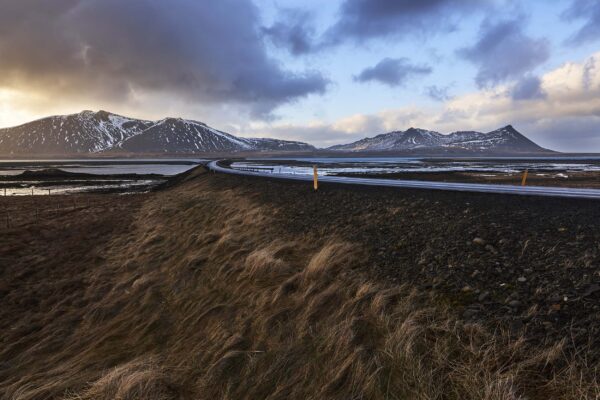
[{"x": 324, "y": 72}]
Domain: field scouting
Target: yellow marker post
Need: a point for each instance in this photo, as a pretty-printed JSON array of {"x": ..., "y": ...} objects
[
  {"x": 315, "y": 177},
  {"x": 524, "y": 180}
]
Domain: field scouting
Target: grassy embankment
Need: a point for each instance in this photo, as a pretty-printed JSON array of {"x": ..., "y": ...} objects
[{"x": 204, "y": 291}]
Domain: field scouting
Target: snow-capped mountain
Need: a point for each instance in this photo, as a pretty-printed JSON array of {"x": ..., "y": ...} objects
[
  {"x": 268, "y": 144},
  {"x": 503, "y": 140},
  {"x": 86, "y": 132},
  {"x": 95, "y": 132},
  {"x": 100, "y": 132},
  {"x": 176, "y": 135}
]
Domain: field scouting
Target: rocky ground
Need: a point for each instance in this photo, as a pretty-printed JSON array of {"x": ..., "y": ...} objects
[
  {"x": 531, "y": 264},
  {"x": 220, "y": 286}
]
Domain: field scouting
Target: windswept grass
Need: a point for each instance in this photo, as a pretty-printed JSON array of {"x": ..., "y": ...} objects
[{"x": 203, "y": 297}]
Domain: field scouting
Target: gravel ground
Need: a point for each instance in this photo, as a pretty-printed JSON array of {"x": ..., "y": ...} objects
[{"x": 529, "y": 264}]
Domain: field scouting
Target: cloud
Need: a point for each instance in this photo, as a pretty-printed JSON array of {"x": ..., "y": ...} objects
[
  {"x": 360, "y": 20},
  {"x": 528, "y": 88},
  {"x": 567, "y": 118},
  {"x": 293, "y": 32},
  {"x": 115, "y": 51},
  {"x": 503, "y": 52},
  {"x": 589, "y": 11},
  {"x": 392, "y": 72},
  {"x": 438, "y": 93}
]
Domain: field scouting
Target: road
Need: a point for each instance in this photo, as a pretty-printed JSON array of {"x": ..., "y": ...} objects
[{"x": 450, "y": 186}]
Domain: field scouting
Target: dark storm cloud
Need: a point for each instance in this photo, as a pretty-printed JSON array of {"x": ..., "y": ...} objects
[
  {"x": 203, "y": 51},
  {"x": 589, "y": 12},
  {"x": 360, "y": 20},
  {"x": 528, "y": 88},
  {"x": 503, "y": 51},
  {"x": 392, "y": 72},
  {"x": 293, "y": 32}
]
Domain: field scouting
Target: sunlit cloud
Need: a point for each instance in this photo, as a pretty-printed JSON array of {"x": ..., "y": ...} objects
[{"x": 572, "y": 93}]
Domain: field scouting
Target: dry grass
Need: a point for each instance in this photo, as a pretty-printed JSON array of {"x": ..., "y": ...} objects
[{"x": 203, "y": 298}]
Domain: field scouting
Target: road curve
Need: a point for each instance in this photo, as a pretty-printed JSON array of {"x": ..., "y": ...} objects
[{"x": 450, "y": 186}]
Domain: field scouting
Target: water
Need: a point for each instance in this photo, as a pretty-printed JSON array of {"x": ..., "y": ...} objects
[
  {"x": 160, "y": 168},
  {"x": 165, "y": 167},
  {"x": 40, "y": 188},
  {"x": 389, "y": 165}
]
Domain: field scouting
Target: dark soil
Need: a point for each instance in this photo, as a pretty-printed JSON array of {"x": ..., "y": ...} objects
[
  {"x": 92, "y": 284},
  {"x": 530, "y": 263}
]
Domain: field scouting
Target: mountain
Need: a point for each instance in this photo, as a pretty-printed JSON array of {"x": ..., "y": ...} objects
[
  {"x": 86, "y": 132},
  {"x": 176, "y": 135},
  {"x": 503, "y": 140},
  {"x": 91, "y": 132},
  {"x": 96, "y": 132}
]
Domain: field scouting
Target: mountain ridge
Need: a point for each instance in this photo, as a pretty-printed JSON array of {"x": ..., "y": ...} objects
[
  {"x": 102, "y": 132},
  {"x": 506, "y": 139},
  {"x": 90, "y": 132}
]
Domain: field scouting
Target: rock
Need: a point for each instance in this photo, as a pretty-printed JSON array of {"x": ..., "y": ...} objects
[
  {"x": 554, "y": 299},
  {"x": 479, "y": 241},
  {"x": 514, "y": 303},
  {"x": 491, "y": 248},
  {"x": 591, "y": 289},
  {"x": 483, "y": 296},
  {"x": 521, "y": 279},
  {"x": 466, "y": 289}
]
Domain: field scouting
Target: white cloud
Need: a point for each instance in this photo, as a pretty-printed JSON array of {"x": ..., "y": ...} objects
[{"x": 572, "y": 94}]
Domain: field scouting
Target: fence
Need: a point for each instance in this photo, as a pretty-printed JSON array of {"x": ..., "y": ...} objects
[{"x": 20, "y": 211}]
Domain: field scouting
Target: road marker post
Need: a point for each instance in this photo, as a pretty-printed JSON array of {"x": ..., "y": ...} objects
[
  {"x": 315, "y": 178},
  {"x": 524, "y": 180}
]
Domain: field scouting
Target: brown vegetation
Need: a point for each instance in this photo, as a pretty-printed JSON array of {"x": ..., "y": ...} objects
[{"x": 199, "y": 291}]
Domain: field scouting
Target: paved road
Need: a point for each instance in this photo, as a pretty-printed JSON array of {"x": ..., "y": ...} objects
[{"x": 452, "y": 186}]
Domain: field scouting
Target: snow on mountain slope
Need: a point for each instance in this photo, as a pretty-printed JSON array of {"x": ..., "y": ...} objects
[
  {"x": 93, "y": 132},
  {"x": 85, "y": 132},
  {"x": 506, "y": 139},
  {"x": 268, "y": 144},
  {"x": 176, "y": 135}
]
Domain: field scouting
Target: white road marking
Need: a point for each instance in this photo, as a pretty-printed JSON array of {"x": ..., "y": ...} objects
[{"x": 449, "y": 186}]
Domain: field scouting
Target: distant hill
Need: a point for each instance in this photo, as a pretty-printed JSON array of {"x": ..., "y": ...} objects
[
  {"x": 503, "y": 140},
  {"x": 90, "y": 132},
  {"x": 95, "y": 132}
]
